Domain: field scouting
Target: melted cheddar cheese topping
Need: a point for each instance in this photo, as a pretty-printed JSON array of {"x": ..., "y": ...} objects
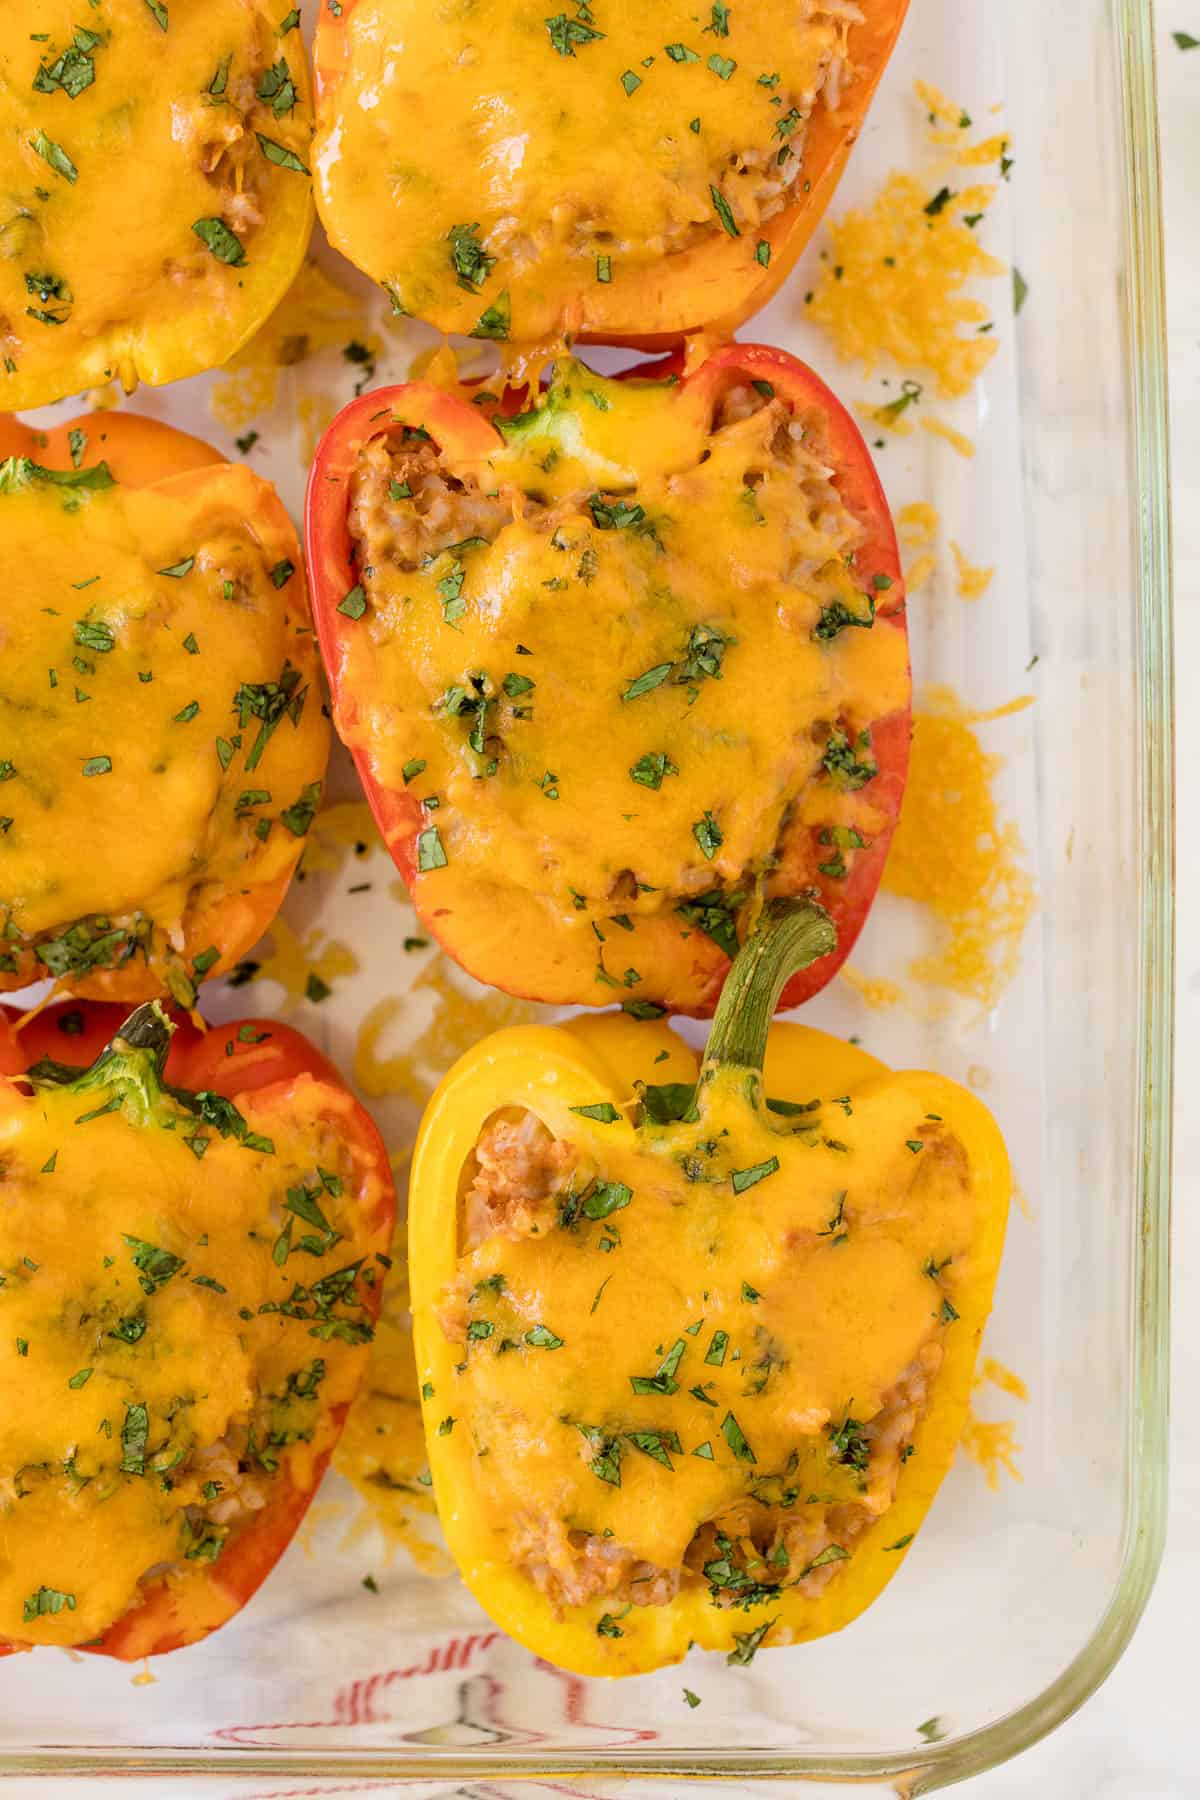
[
  {"x": 627, "y": 666},
  {"x": 161, "y": 742},
  {"x": 181, "y": 1323},
  {"x": 488, "y": 162},
  {"x": 622, "y": 1368},
  {"x": 155, "y": 199}
]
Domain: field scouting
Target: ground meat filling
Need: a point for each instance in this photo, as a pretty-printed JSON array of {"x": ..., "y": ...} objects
[
  {"x": 516, "y": 1184},
  {"x": 405, "y": 507},
  {"x": 223, "y": 130},
  {"x": 749, "y": 1553},
  {"x": 520, "y": 1174}
]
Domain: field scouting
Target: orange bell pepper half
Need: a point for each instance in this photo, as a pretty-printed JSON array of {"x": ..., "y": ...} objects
[
  {"x": 623, "y": 177},
  {"x": 192, "y": 1251},
  {"x": 156, "y": 627}
]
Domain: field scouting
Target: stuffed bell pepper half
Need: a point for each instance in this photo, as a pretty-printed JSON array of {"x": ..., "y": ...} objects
[
  {"x": 613, "y": 171},
  {"x": 192, "y": 1245},
  {"x": 618, "y": 667},
  {"x": 162, "y": 746},
  {"x": 155, "y": 194},
  {"x": 696, "y": 1342}
]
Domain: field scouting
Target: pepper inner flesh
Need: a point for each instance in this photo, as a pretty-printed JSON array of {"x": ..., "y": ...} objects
[
  {"x": 627, "y": 666},
  {"x": 675, "y": 1375}
]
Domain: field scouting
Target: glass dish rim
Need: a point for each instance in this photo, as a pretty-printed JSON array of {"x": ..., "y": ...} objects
[{"x": 940, "y": 1766}]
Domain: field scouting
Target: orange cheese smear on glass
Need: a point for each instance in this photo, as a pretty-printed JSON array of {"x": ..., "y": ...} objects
[
  {"x": 155, "y": 200},
  {"x": 952, "y": 852},
  {"x": 382, "y": 1450},
  {"x": 317, "y": 313},
  {"x": 161, "y": 740},
  {"x": 511, "y": 172}
]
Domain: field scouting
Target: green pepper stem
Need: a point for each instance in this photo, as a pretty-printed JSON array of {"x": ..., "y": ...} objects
[
  {"x": 148, "y": 1028},
  {"x": 134, "y": 1058},
  {"x": 789, "y": 936}
]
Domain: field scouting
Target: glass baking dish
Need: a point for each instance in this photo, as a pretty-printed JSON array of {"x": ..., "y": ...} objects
[{"x": 1015, "y": 1603}]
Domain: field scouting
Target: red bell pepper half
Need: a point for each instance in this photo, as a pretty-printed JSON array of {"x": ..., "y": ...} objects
[
  {"x": 241, "y": 1105},
  {"x": 517, "y": 953}
]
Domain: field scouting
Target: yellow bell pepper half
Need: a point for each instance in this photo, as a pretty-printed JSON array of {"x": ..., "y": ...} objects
[
  {"x": 696, "y": 1339},
  {"x": 155, "y": 193}
]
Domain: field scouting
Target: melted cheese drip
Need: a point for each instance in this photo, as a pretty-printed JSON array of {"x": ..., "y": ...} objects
[
  {"x": 345, "y": 826},
  {"x": 952, "y": 853},
  {"x": 105, "y": 174},
  {"x": 566, "y": 162},
  {"x": 458, "y": 1021},
  {"x": 108, "y": 662},
  {"x": 317, "y": 313},
  {"x": 73, "y": 1520},
  {"x": 689, "y": 1271},
  {"x": 382, "y": 1450},
  {"x": 574, "y": 613}
]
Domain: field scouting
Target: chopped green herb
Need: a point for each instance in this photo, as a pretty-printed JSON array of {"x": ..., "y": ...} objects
[
  {"x": 747, "y": 1644},
  {"x": 746, "y": 1178},
  {"x": 650, "y": 770},
  {"x": 724, "y": 211},
  {"x": 566, "y": 33},
  {"x": 708, "y": 835},
  {"x": 496, "y": 321},
  {"x": 218, "y": 238},
  {"x": 735, "y": 1437},
  {"x": 281, "y": 156},
  {"x": 468, "y": 259},
  {"x": 56, "y": 156},
  {"x": 430, "y": 854},
  {"x": 47, "y": 1601},
  {"x": 540, "y": 1337}
]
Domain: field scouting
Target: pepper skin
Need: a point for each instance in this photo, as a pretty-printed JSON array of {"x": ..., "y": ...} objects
[
  {"x": 695, "y": 1358},
  {"x": 161, "y": 744},
  {"x": 192, "y": 1251},
  {"x": 612, "y": 177},
  {"x": 156, "y": 196},
  {"x": 612, "y": 675}
]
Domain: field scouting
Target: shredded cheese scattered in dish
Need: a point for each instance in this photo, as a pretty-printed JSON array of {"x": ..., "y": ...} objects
[{"x": 973, "y": 582}]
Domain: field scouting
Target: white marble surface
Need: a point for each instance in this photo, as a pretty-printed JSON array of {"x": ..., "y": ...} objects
[{"x": 1139, "y": 1737}]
